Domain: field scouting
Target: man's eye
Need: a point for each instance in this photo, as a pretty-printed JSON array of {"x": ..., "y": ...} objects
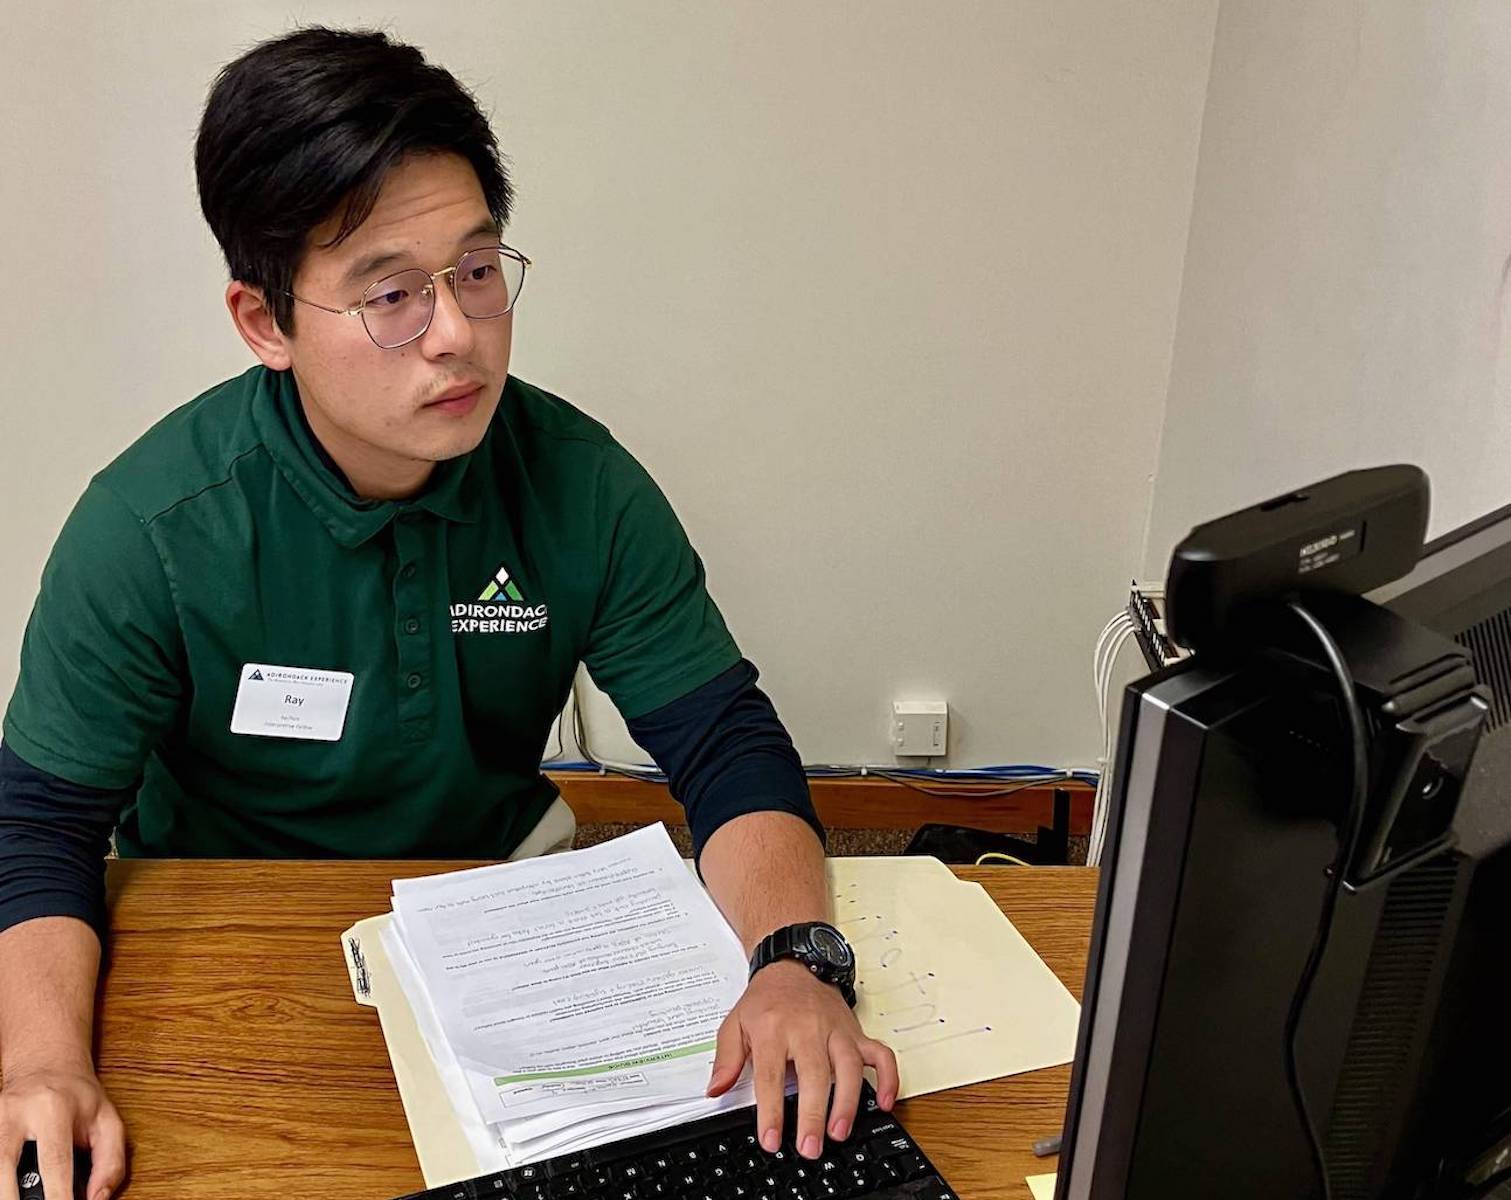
[
  {"x": 478, "y": 274},
  {"x": 388, "y": 299}
]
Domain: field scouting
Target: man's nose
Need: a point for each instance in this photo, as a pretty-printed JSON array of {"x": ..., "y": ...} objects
[{"x": 450, "y": 329}]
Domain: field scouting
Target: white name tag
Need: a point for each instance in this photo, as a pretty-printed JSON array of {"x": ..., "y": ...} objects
[{"x": 291, "y": 702}]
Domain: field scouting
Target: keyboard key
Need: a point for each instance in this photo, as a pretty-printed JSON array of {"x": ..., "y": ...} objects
[
  {"x": 935, "y": 1189},
  {"x": 912, "y": 1164},
  {"x": 892, "y": 1146},
  {"x": 563, "y": 1187}
]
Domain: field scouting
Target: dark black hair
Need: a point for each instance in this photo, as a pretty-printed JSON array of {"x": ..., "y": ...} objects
[{"x": 308, "y": 123}]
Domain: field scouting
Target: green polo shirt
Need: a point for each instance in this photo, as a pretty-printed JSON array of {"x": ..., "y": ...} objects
[{"x": 222, "y": 540}]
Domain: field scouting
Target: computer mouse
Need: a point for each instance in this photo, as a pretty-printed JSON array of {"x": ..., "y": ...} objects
[{"x": 29, "y": 1179}]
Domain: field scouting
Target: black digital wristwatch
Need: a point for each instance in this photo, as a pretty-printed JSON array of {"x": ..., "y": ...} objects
[{"x": 818, "y": 946}]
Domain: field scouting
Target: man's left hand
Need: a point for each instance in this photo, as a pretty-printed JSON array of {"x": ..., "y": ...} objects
[{"x": 789, "y": 1015}]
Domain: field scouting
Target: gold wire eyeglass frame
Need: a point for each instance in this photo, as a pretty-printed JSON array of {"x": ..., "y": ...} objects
[{"x": 449, "y": 273}]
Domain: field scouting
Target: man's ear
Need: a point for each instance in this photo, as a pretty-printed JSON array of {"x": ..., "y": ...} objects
[{"x": 254, "y": 321}]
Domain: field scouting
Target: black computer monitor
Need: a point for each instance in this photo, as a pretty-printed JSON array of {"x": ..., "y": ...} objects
[
  {"x": 1461, "y": 587},
  {"x": 1227, "y": 792}
]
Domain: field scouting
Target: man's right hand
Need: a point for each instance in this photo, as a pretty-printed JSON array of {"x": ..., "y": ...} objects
[
  {"x": 60, "y": 1108},
  {"x": 49, "y": 1092}
]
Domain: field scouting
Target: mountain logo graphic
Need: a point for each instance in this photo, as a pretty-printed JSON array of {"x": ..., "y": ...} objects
[
  {"x": 501, "y": 585},
  {"x": 257, "y": 675},
  {"x": 500, "y": 608}
]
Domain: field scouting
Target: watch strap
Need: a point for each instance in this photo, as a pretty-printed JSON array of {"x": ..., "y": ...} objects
[{"x": 778, "y": 945}]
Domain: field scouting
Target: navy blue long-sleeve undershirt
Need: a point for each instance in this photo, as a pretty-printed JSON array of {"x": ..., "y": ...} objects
[{"x": 722, "y": 746}]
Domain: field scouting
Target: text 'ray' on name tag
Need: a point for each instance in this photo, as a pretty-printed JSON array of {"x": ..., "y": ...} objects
[{"x": 291, "y": 702}]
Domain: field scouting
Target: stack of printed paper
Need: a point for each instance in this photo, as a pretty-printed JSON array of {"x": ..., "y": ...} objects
[
  {"x": 543, "y": 1006},
  {"x": 569, "y": 1000}
]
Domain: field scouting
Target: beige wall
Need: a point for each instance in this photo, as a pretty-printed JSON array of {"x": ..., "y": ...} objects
[
  {"x": 1343, "y": 302},
  {"x": 883, "y": 294}
]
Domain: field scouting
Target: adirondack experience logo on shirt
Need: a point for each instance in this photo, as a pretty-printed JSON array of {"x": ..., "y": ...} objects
[{"x": 499, "y": 608}]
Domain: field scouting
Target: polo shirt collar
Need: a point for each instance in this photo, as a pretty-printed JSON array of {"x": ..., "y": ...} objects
[{"x": 451, "y": 493}]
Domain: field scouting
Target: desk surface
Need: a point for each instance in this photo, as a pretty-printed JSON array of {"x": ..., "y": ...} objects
[{"x": 229, "y": 1038}]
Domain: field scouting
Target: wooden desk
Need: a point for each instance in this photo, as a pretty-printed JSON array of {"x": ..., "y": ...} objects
[{"x": 229, "y": 1038}]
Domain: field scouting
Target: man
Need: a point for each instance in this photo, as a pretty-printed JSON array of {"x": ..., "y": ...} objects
[{"x": 331, "y": 606}]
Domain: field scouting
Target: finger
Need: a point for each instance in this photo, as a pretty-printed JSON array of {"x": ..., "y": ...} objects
[
  {"x": 848, "y": 1067},
  {"x": 55, "y": 1157},
  {"x": 879, "y": 1056},
  {"x": 107, "y": 1150},
  {"x": 729, "y": 1057},
  {"x": 10, "y": 1154},
  {"x": 812, "y": 1063},
  {"x": 770, "y": 1085}
]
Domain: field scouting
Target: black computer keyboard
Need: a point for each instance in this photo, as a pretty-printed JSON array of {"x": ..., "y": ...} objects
[{"x": 719, "y": 1158}]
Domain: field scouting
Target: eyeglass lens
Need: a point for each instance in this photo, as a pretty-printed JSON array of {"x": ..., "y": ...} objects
[{"x": 397, "y": 309}]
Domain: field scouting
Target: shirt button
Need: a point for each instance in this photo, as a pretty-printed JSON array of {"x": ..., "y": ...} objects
[
  {"x": 411, "y": 626},
  {"x": 414, "y": 681},
  {"x": 409, "y": 570}
]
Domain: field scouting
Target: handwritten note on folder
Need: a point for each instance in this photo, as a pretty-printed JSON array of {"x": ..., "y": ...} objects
[{"x": 943, "y": 978}]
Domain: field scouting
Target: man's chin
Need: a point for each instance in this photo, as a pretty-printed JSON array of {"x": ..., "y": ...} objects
[
  {"x": 463, "y": 438},
  {"x": 454, "y": 447}
]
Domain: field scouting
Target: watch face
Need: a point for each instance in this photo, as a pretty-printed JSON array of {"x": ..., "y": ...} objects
[{"x": 830, "y": 946}]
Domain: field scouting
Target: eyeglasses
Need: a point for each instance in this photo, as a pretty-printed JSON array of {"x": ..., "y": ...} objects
[{"x": 398, "y": 308}]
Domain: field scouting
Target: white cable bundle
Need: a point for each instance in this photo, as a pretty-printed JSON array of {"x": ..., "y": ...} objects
[{"x": 1114, "y": 634}]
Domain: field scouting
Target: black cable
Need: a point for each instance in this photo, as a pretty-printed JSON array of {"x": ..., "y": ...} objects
[
  {"x": 1348, "y": 838},
  {"x": 561, "y": 744},
  {"x": 579, "y": 734},
  {"x": 959, "y": 793}
]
